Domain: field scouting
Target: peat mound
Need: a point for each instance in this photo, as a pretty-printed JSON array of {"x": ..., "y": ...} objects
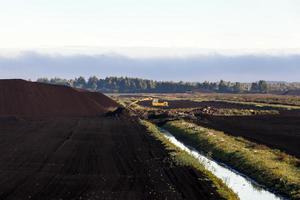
[{"x": 24, "y": 98}]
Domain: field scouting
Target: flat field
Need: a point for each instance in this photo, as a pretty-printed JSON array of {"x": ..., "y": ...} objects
[{"x": 91, "y": 158}]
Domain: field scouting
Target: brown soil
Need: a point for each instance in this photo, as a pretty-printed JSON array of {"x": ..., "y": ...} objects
[
  {"x": 276, "y": 131},
  {"x": 24, "y": 98},
  {"x": 91, "y": 158}
]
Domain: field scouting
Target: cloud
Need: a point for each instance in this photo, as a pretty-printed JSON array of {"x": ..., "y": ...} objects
[{"x": 210, "y": 67}]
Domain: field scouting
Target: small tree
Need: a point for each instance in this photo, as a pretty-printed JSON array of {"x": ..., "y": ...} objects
[
  {"x": 224, "y": 86},
  {"x": 43, "y": 80},
  {"x": 237, "y": 87},
  {"x": 263, "y": 86},
  {"x": 80, "y": 82},
  {"x": 92, "y": 83},
  {"x": 254, "y": 87}
]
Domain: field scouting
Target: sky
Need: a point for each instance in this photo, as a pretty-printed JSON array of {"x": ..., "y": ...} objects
[
  {"x": 205, "y": 24},
  {"x": 149, "y": 28}
]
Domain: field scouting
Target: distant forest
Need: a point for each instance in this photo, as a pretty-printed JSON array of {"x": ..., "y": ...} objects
[{"x": 137, "y": 85}]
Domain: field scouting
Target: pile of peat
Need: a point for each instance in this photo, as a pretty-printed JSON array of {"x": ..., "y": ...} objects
[{"x": 32, "y": 99}]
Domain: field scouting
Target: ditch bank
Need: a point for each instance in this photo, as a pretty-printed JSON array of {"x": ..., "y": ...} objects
[
  {"x": 245, "y": 188},
  {"x": 183, "y": 158},
  {"x": 274, "y": 169}
]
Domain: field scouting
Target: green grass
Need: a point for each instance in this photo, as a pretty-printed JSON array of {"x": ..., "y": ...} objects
[
  {"x": 181, "y": 157},
  {"x": 272, "y": 168}
]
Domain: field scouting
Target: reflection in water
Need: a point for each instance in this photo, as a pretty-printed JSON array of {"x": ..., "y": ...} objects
[{"x": 243, "y": 187}]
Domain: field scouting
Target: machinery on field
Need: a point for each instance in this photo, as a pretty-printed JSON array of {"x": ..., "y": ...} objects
[
  {"x": 139, "y": 100},
  {"x": 156, "y": 103}
]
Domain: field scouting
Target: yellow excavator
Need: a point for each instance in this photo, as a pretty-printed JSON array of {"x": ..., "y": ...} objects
[
  {"x": 144, "y": 99},
  {"x": 155, "y": 102}
]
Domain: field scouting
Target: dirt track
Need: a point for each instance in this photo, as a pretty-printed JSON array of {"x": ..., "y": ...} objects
[{"x": 90, "y": 158}]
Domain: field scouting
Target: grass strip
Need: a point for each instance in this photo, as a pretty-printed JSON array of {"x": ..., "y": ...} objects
[
  {"x": 181, "y": 157},
  {"x": 270, "y": 167}
]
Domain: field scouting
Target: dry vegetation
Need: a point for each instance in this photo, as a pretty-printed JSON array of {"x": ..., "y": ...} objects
[{"x": 257, "y": 98}]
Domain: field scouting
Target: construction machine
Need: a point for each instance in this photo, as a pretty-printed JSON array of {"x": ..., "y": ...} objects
[
  {"x": 156, "y": 103},
  {"x": 140, "y": 100}
]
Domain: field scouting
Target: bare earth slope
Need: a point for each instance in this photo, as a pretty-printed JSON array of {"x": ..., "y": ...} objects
[{"x": 23, "y": 98}]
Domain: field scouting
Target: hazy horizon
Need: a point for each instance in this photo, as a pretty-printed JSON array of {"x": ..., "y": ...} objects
[{"x": 207, "y": 66}]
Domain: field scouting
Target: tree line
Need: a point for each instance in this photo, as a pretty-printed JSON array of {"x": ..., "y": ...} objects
[{"x": 137, "y": 85}]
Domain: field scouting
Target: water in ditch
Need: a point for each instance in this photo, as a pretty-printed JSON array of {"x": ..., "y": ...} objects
[{"x": 245, "y": 188}]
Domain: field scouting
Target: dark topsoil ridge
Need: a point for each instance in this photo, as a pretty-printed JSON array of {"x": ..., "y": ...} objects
[{"x": 32, "y": 99}]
